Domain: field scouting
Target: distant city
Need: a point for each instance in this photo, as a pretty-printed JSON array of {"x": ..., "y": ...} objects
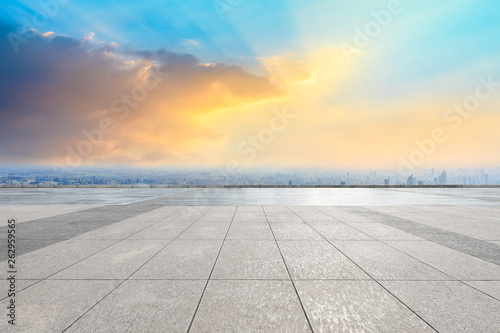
[{"x": 122, "y": 176}]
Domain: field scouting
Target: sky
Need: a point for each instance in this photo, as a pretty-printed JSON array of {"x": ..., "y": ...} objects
[{"x": 239, "y": 83}]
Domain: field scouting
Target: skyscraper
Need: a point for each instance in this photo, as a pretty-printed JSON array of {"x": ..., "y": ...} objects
[{"x": 442, "y": 178}]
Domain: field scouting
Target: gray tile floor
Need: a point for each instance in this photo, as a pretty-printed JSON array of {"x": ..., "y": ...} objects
[{"x": 253, "y": 260}]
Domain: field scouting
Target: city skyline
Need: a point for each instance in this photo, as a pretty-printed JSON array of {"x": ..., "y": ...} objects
[
  {"x": 34, "y": 175},
  {"x": 394, "y": 85}
]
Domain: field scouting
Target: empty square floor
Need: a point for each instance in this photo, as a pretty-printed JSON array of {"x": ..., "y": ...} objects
[{"x": 251, "y": 260}]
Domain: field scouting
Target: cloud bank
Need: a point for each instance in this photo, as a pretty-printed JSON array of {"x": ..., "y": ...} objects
[{"x": 57, "y": 87}]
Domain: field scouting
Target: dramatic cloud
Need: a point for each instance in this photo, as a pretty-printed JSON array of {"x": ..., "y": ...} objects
[{"x": 55, "y": 87}]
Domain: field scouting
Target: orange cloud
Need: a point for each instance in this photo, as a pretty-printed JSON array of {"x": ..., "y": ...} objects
[{"x": 59, "y": 88}]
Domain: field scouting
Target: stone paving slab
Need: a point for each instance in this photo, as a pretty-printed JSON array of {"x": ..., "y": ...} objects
[
  {"x": 458, "y": 265},
  {"x": 383, "y": 262},
  {"x": 339, "y": 231},
  {"x": 295, "y": 231},
  {"x": 384, "y": 232},
  {"x": 182, "y": 259},
  {"x": 135, "y": 306},
  {"x": 457, "y": 241},
  {"x": 245, "y": 259},
  {"x": 491, "y": 288},
  {"x": 449, "y": 306},
  {"x": 118, "y": 261},
  {"x": 52, "y": 306},
  {"x": 250, "y": 306},
  {"x": 318, "y": 260},
  {"x": 250, "y": 231},
  {"x": 26, "y": 213},
  {"x": 48, "y": 260},
  {"x": 206, "y": 231},
  {"x": 164, "y": 229},
  {"x": 356, "y": 306}
]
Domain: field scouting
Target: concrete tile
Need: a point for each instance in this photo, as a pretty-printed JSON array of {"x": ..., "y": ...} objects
[
  {"x": 219, "y": 215},
  {"x": 59, "y": 231},
  {"x": 206, "y": 231},
  {"x": 338, "y": 231},
  {"x": 331, "y": 210},
  {"x": 116, "y": 262},
  {"x": 163, "y": 211},
  {"x": 384, "y": 262},
  {"x": 165, "y": 229},
  {"x": 317, "y": 219},
  {"x": 250, "y": 231},
  {"x": 276, "y": 209},
  {"x": 255, "y": 209},
  {"x": 119, "y": 230},
  {"x": 26, "y": 213},
  {"x": 241, "y": 259},
  {"x": 50, "y": 259},
  {"x": 311, "y": 214},
  {"x": 457, "y": 264},
  {"x": 51, "y": 306},
  {"x": 283, "y": 217},
  {"x": 449, "y": 306},
  {"x": 318, "y": 260},
  {"x": 114, "y": 214},
  {"x": 472, "y": 213},
  {"x": 383, "y": 232},
  {"x": 475, "y": 227},
  {"x": 356, "y": 306},
  {"x": 250, "y": 306},
  {"x": 216, "y": 218},
  {"x": 344, "y": 216},
  {"x": 356, "y": 209},
  {"x": 24, "y": 246},
  {"x": 223, "y": 209},
  {"x": 294, "y": 231},
  {"x": 395, "y": 209},
  {"x": 491, "y": 288},
  {"x": 182, "y": 259},
  {"x": 304, "y": 210},
  {"x": 250, "y": 217},
  {"x": 136, "y": 306},
  {"x": 154, "y": 215},
  {"x": 188, "y": 214},
  {"x": 22, "y": 284},
  {"x": 18, "y": 285},
  {"x": 457, "y": 241}
]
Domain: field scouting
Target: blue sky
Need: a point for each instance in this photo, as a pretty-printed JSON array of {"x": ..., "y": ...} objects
[{"x": 457, "y": 31}]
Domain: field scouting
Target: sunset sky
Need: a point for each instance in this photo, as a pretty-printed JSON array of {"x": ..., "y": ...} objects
[{"x": 317, "y": 83}]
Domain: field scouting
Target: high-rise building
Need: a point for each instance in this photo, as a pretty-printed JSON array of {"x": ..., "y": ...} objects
[
  {"x": 411, "y": 180},
  {"x": 442, "y": 178},
  {"x": 386, "y": 182}
]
